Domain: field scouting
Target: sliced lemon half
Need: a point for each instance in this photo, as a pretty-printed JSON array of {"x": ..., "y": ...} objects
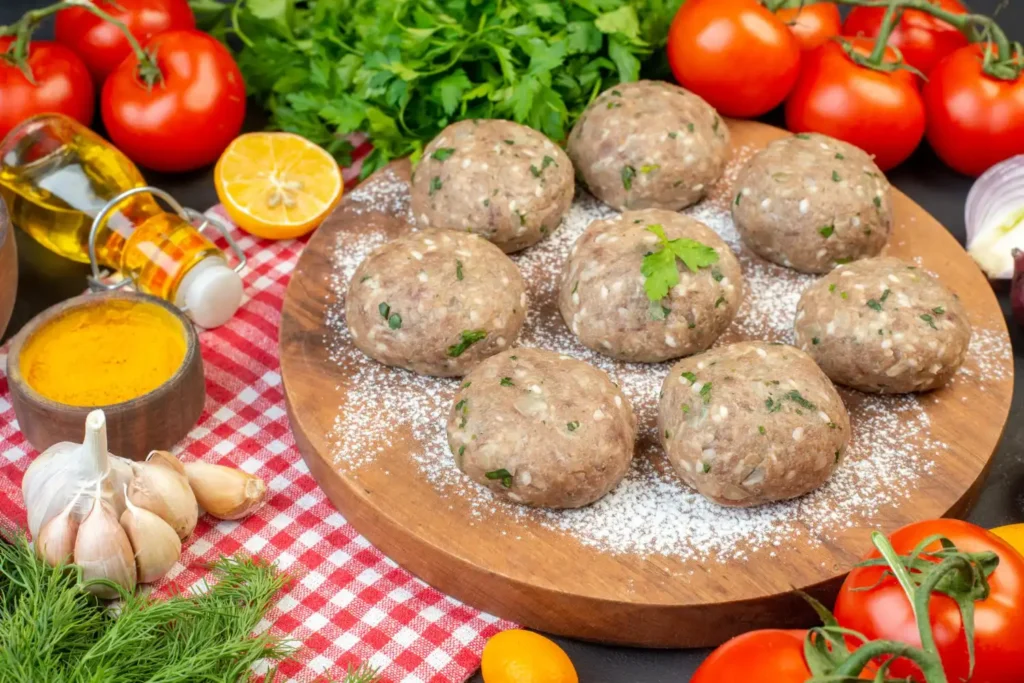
[{"x": 277, "y": 185}]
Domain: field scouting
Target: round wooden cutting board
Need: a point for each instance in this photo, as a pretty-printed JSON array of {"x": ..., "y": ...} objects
[{"x": 515, "y": 567}]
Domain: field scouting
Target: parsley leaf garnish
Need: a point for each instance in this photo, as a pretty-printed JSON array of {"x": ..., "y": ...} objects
[
  {"x": 659, "y": 268},
  {"x": 572, "y": 426},
  {"x": 930, "y": 320},
  {"x": 507, "y": 382},
  {"x": 458, "y": 270},
  {"x": 443, "y": 153},
  {"x": 827, "y": 231},
  {"x": 435, "y": 185}
]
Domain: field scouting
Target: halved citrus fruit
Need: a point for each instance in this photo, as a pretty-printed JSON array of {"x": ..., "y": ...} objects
[{"x": 277, "y": 185}]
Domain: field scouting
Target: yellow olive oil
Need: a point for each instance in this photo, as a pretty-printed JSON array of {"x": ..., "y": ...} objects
[{"x": 57, "y": 176}]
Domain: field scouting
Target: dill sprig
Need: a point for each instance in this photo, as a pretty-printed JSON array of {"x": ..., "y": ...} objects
[{"x": 53, "y": 630}]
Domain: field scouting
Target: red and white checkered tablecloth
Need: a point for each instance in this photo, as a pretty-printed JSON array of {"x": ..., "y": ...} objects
[{"x": 348, "y": 603}]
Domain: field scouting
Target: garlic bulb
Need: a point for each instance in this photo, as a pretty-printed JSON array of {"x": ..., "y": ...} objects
[
  {"x": 225, "y": 492},
  {"x": 103, "y": 551},
  {"x": 56, "y": 540},
  {"x": 159, "y": 487},
  {"x": 56, "y": 477},
  {"x": 156, "y": 545}
]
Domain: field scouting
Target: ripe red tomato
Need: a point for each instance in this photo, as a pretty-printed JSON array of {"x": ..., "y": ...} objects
[
  {"x": 880, "y": 112},
  {"x": 876, "y": 606},
  {"x": 62, "y": 85},
  {"x": 974, "y": 120},
  {"x": 188, "y": 118},
  {"x": 770, "y": 656},
  {"x": 735, "y": 54},
  {"x": 813, "y": 23},
  {"x": 922, "y": 38},
  {"x": 101, "y": 45}
]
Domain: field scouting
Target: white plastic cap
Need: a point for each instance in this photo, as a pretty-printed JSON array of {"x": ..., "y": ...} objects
[{"x": 211, "y": 292}]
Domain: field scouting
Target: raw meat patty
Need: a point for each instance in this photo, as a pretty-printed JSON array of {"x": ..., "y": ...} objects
[
  {"x": 602, "y": 296},
  {"x": 885, "y": 326},
  {"x": 649, "y": 144},
  {"x": 436, "y": 302},
  {"x": 542, "y": 429},
  {"x": 811, "y": 202},
  {"x": 752, "y": 423},
  {"x": 498, "y": 179}
]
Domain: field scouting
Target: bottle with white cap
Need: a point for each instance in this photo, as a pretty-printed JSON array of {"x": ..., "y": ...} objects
[{"x": 82, "y": 198}]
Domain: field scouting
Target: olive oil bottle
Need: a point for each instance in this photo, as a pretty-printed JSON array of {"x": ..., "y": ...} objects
[{"x": 57, "y": 176}]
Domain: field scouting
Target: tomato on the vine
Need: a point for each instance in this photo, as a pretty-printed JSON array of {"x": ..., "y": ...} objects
[
  {"x": 921, "y": 38},
  {"x": 102, "y": 45},
  {"x": 873, "y": 603},
  {"x": 813, "y": 23},
  {"x": 974, "y": 120},
  {"x": 735, "y": 54},
  {"x": 768, "y": 656},
  {"x": 62, "y": 85},
  {"x": 879, "y": 111},
  {"x": 188, "y": 116}
]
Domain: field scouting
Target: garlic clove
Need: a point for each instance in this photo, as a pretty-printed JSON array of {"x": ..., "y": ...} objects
[
  {"x": 166, "y": 493},
  {"x": 226, "y": 492},
  {"x": 56, "y": 541},
  {"x": 156, "y": 545},
  {"x": 103, "y": 551},
  {"x": 165, "y": 459}
]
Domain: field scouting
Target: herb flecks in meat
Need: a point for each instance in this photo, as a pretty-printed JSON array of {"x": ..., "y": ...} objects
[
  {"x": 442, "y": 153},
  {"x": 468, "y": 338},
  {"x": 628, "y": 173},
  {"x": 502, "y": 475}
]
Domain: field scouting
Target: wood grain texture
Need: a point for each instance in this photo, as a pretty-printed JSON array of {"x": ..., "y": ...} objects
[
  {"x": 548, "y": 580},
  {"x": 153, "y": 421},
  {"x": 8, "y": 268}
]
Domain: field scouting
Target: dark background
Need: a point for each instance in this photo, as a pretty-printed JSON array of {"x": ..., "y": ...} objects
[{"x": 45, "y": 280}]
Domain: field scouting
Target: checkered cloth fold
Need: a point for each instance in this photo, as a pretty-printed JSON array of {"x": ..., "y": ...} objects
[{"x": 348, "y": 603}]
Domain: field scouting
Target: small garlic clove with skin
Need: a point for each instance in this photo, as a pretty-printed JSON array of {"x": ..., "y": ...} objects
[
  {"x": 165, "y": 459},
  {"x": 56, "y": 541},
  {"x": 226, "y": 492},
  {"x": 166, "y": 493},
  {"x": 103, "y": 551},
  {"x": 156, "y": 545}
]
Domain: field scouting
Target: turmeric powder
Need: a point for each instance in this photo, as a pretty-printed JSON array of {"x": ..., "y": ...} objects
[{"x": 104, "y": 354}]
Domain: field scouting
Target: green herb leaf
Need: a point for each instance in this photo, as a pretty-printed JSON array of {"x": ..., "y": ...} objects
[
  {"x": 802, "y": 136},
  {"x": 930, "y": 320},
  {"x": 468, "y": 338},
  {"x": 815, "y": 341},
  {"x": 874, "y": 305},
  {"x": 458, "y": 270},
  {"x": 572, "y": 426},
  {"x": 705, "y": 392},
  {"x": 720, "y": 301},
  {"x": 443, "y": 153},
  {"x": 839, "y": 156},
  {"x": 827, "y": 231},
  {"x": 706, "y": 467},
  {"x": 878, "y": 202},
  {"x": 507, "y": 382},
  {"x": 435, "y": 185},
  {"x": 395, "y": 321},
  {"x": 835, "y": 176},
  {"x": 659, "y": 268},
  {"x": 628, "y": 173},
  {"x": 885, "y": 294},
  {"x": 384, "y": 310},
  {"x": 504, "y": 475},
  {"x": 761, "y": 429},
  {"x": 938, "y": 310},
  {"x": 649, "y": 168},
  {"x": 690, "y": 377}
]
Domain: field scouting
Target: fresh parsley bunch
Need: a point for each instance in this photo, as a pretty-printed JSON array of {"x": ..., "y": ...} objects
[{"x": 402, "y": 70}]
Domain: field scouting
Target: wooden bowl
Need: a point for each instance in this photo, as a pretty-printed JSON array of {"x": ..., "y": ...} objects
[
  {"x": 156, "y": 420},
  {"x": 8, "y": 267}
]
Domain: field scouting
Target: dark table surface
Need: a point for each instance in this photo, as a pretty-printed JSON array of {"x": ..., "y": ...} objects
[{"x": 45, "y": 280}]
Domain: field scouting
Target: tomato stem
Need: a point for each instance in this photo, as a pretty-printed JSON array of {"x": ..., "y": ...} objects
[
  {"x": 29, "y": 22},
  {"x": 898, "y": 569},
  {"x": 928, "y": 662},
  {"x": 893, "y": 15},
  {"x": 1007, "y": 63}
]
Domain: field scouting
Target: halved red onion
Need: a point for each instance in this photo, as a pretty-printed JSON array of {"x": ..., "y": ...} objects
[{"x": 995, "y": 218}]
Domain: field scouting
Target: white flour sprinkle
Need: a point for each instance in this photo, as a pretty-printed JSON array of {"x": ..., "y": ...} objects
[{"x": 651, "y": 511}]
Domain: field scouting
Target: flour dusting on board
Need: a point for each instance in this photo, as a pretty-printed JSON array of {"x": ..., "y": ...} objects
[{"x": 651, "y": 511}]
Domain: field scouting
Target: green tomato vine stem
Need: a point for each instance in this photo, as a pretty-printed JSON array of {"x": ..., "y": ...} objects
[
  {"x": 23, "y": 29},
  {"x": 1005, "y": 63}
]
